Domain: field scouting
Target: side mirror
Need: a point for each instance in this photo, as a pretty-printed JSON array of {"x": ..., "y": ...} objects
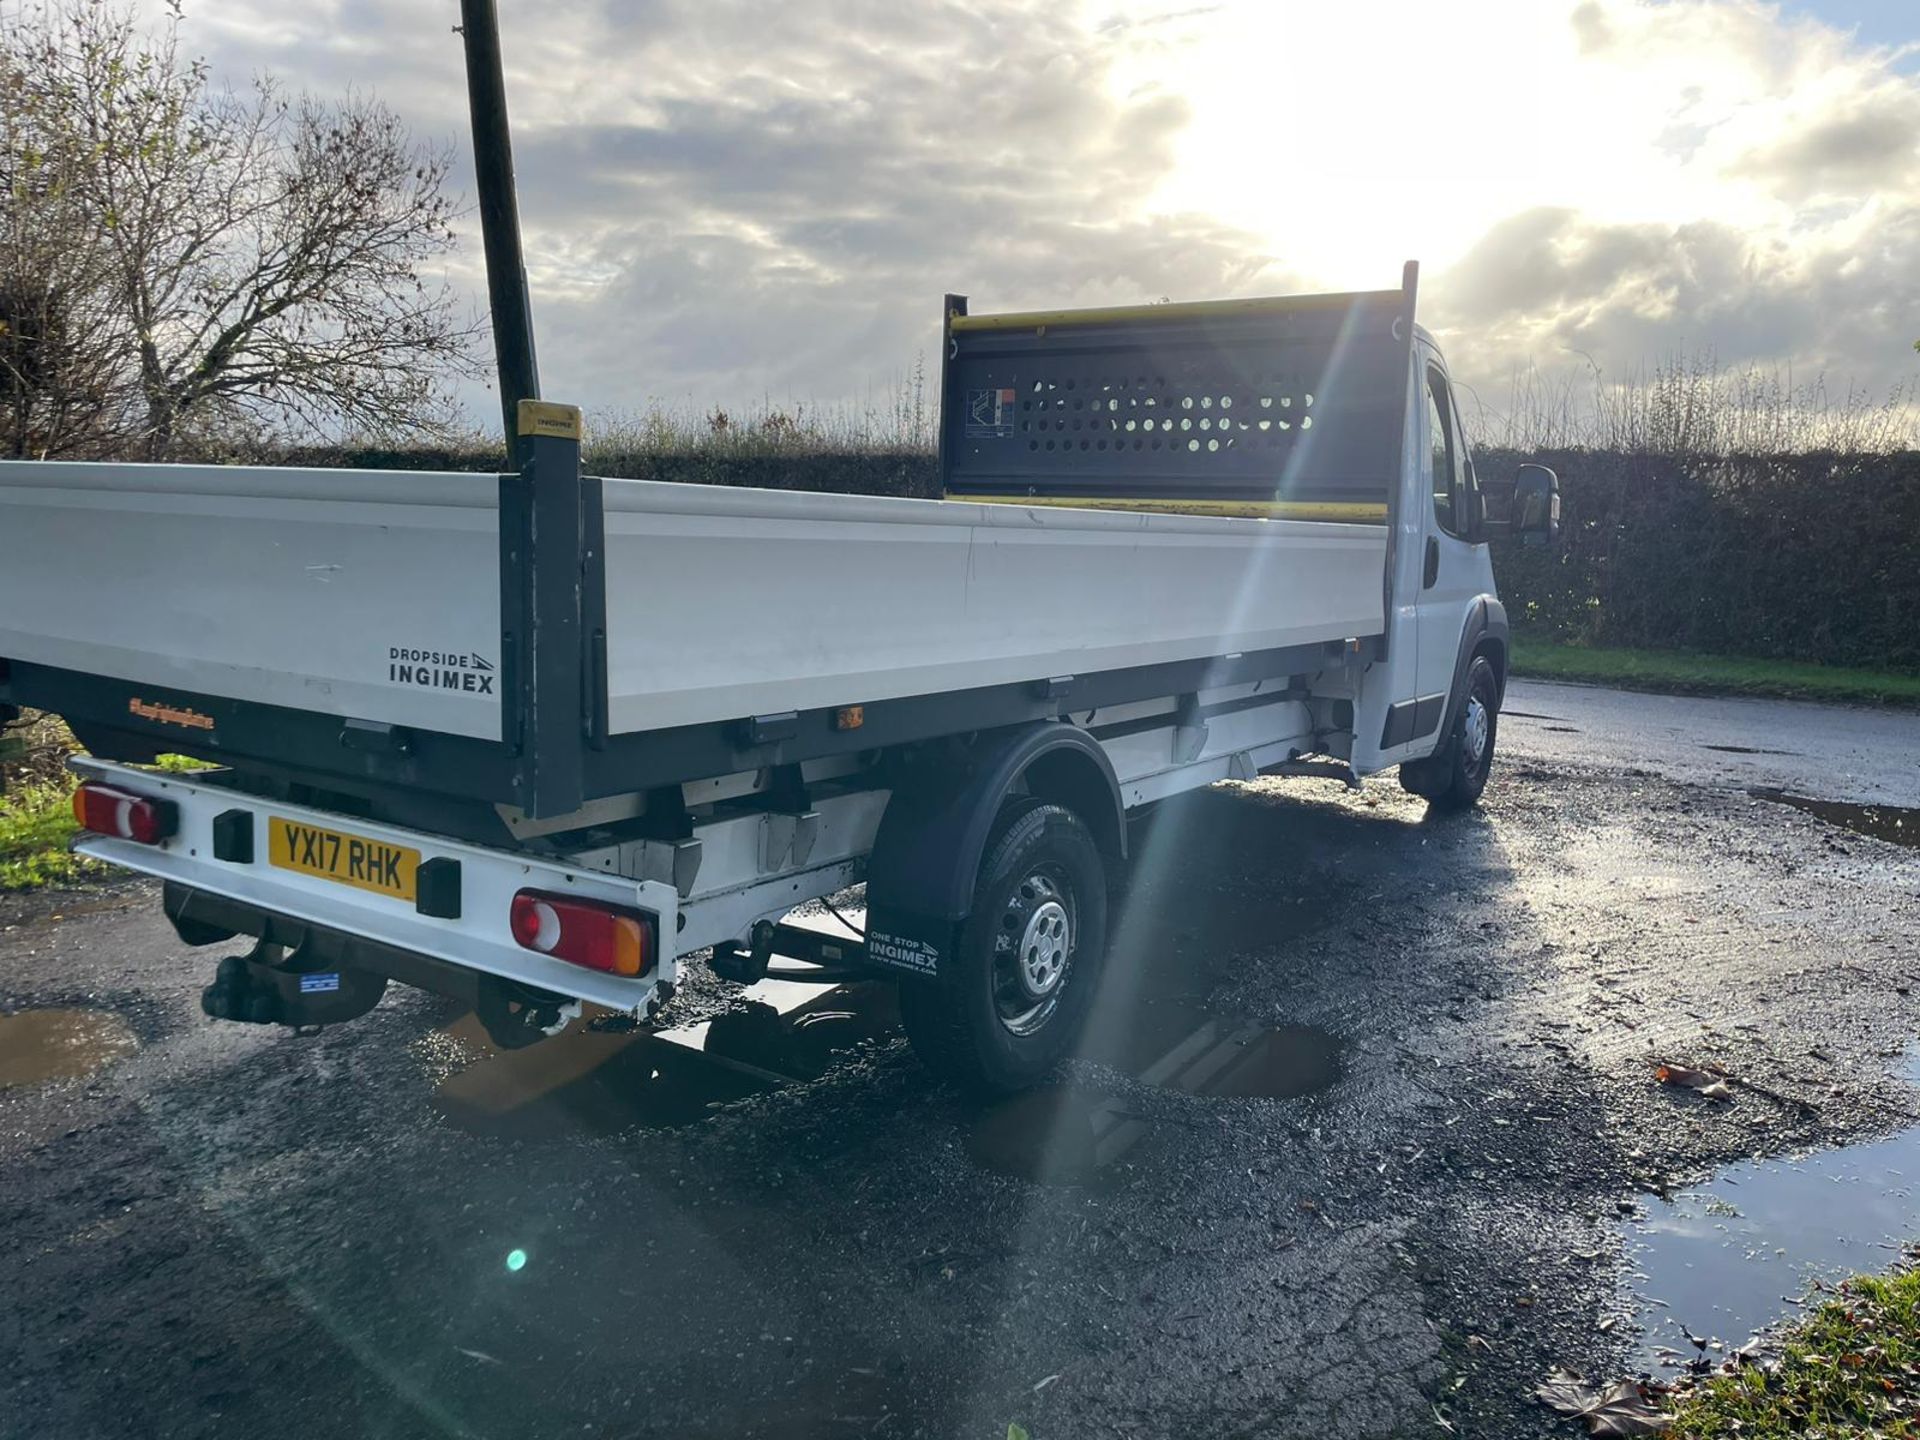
[{"x": 1536, "y": 505}]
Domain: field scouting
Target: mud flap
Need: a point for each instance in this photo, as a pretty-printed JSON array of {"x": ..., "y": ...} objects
[{"x": 911, "y": 943}]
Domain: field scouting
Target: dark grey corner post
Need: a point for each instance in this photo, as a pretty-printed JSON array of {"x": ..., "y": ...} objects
[
  {"x": 552, "y": 594},
  {"x": 951, "y": 306}
]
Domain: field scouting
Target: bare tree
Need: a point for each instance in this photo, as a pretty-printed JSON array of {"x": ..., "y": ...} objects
[
  {"x": 267, "y": 258},
  {"x": 63, "y": 390}
]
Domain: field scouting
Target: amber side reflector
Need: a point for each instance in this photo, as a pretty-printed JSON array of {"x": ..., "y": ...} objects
[{"x": 849, "y": 717}]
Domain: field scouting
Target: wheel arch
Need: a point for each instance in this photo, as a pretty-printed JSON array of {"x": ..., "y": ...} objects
[
  {"x": 1485, "y": 633},
  {"x": 1494, "y": 648},
  {"x": 921, "y": 871}
]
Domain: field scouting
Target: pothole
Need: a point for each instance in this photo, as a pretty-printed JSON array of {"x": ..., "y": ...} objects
[
  {"x": 1180, "y": 1047},
  {"x": 1060, "y": 1135},
  {"x": 1222, "y": 1058},
  {"x": 1066, "y": 1135},
  {"x": 38, "y": 1046},
  {"x": 1896, "y": 824}
]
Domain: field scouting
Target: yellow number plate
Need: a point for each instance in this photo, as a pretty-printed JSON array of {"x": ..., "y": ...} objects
[{"x": 348, "y": 859}]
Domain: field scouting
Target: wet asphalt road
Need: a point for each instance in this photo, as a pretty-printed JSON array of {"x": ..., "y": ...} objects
[{"x": 1363, "y": 1105}]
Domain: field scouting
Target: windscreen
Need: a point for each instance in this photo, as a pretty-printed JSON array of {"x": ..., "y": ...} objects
[{"x": 1283, "y": 406}]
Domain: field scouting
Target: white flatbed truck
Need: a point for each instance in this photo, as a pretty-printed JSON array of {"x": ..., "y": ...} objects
[{"x": 532, "y": 739}]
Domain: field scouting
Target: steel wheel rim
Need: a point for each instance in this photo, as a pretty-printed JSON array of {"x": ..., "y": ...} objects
[
  {"x": 1033, "y": 951},
  {"x": 1476, "y": 730}
]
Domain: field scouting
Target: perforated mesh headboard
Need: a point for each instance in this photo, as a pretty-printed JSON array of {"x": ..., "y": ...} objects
[{"x": 1285, "y": 406}]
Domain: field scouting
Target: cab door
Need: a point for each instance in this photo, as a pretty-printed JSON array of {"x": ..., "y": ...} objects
[{"x": 1455, "y": 569}]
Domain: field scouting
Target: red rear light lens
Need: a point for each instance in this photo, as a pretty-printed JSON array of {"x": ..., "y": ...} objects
[
  {"x": 584, "y": 933},
  {"x": 109, "y": 810}
]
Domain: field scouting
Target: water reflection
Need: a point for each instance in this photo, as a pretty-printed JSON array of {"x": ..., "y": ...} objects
[
  {"x": 1728, "y": 1258},
  {"x": 37, "y": 1046}
]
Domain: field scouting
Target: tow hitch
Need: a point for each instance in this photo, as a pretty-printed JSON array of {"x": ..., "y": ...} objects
[{"x": 267, "y": 986}]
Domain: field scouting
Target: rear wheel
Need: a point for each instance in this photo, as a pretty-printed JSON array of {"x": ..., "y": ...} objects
[
  {"x": 1012, "y": 1000},
  {"x": 1455, "y": 774}
]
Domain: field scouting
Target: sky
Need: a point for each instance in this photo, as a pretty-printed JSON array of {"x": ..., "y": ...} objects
[{"x": 729, "y": 201}]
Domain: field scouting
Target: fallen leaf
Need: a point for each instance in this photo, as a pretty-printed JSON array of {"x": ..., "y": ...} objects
[
  {"x": 1017, "y": 1431},
  {"x": 1712, "y": 1085},
  {"x": 1622, "y": 1409}
]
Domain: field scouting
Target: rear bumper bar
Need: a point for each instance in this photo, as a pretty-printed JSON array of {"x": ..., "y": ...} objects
[{"x": 477, "y": 939}]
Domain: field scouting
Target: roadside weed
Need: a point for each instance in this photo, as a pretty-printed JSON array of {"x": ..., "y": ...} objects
[{"x": 1851, "y": 1368}]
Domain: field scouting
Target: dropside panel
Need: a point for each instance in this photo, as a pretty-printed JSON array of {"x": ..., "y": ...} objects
[
  {"x": 724, "y": 603},
  {"x": 357, "y": 594}
]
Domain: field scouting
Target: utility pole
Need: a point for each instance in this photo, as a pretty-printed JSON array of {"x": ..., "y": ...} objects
[{"x": 507, "y": 296}]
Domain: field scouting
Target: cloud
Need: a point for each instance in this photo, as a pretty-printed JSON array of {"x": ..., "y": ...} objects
[
  {"x": 1589, "y": 21},
  {"x": 793, "y": 225},
  {"x": 726, "y": 199},
  {"x": 1762, "y": 203},
  {"x": 1559, "y": 290},
  {"x": 1869, "y": 146}
]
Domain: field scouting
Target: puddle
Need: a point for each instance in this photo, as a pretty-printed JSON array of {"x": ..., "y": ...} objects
[
  {"x": 1726, "y": 1259},
  {"x": 1745, "y": 750},
  {"x": 1896, "y": 824},
  {"x": 1069, "y": 1136},
  {"x": 1181, "y": 1047},
  {"x": 606, "y": 1081},
  {"x": 1056, "y": 1136},
  {"x": 1230, "y": 1060},
  {"x": 37, "y": 1046}
]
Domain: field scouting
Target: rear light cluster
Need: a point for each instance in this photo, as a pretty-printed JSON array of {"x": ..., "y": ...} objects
[
  {"x": 598, "y": 937},
  {"x": 109, "y": 810}
]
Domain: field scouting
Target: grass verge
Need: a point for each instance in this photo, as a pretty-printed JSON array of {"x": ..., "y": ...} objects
[
  {"x": 1694, "y": 674},
  {"x": 36, "y": 807},
  {"x": 36, "y": 826},
  {"x": 1852, "y": 1368}
]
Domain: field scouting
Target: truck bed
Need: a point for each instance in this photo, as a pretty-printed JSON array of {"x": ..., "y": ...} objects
[
  {"x": 1142, "y": 504},
  {"x": 375, "y": 596}
]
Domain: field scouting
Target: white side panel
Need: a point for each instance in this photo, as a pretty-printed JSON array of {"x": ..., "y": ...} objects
[
  {"x": 723, "y": 603},
  {"x": 283, "y": 587}
]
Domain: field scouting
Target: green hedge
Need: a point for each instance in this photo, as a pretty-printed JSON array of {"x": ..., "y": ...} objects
[{"x": 1784, "y": 557}]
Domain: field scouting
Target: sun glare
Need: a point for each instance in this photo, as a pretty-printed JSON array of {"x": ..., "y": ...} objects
[{"x": 1347, "y": 154}]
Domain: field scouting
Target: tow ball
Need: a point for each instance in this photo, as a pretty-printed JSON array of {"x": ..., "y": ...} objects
[
  {"x": 267, "y": 986},
  {"x": 515, "y": 1016}
]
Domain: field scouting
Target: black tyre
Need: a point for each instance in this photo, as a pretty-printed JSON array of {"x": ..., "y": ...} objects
[
  {"x": 1013, "y": 999},
  {"x": 1455, "y": 774}
]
